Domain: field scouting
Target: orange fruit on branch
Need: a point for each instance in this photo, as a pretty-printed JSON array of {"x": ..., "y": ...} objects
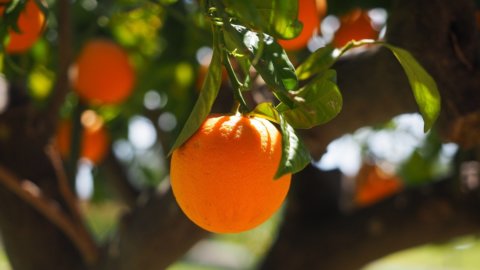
[
  {"x": 103, "y": 73},
  {"x": 355, "y": 25},
  {"x": 223, "y": 176},
  {"x": 309, "y": 13},
  {"x": 94, "y": 142},
  {"x": 31, "y": 23}
]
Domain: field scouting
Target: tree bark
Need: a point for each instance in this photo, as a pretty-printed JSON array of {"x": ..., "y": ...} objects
[
  {"x": 442, "y": 35},
  {"x": 31, "y": 241},
  {"x": 317, "y": 235},
  {"x": 154, "y": 235}
]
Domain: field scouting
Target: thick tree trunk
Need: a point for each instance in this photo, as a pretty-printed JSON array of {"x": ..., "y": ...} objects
[{"x": 31, "y": 241}]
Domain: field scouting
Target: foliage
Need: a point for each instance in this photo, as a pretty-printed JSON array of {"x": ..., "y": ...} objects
[
  {"x": 314, "y": 104},
  {"x": 297, "y": 90}
]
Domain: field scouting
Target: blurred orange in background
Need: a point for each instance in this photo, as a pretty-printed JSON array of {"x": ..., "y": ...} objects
[
  {"x": 375, "y": 184},
  {"x": 31, "y": 23},
  {"x": 94, "y": 140},
  {"x": 310, "y": 13},
  {"x": 355, "y": 25}
]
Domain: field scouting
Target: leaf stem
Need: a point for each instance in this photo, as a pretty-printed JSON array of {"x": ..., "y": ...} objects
[{"x": 236, "y": 85}]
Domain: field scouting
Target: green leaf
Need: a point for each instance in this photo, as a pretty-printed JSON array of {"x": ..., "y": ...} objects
[
  {"x": 295, "y": 155},
  {"x": 281, "y": 17},
  {"x": 319, "y": 61},
  {"x": 206, "y": 98},
  {"x": 324, "y": 58},
  {"x": 268, "y": 111},
  {"x": 322, "y": 101},
  {"x": 423, "y": 86},
  {"x": 245, "y": 11},
  {"x": 268, "y": 58},
  {"x": 275, "y": 17}
]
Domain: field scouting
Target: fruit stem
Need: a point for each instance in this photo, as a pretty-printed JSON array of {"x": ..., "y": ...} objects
[{"x": 236, "y": 85}]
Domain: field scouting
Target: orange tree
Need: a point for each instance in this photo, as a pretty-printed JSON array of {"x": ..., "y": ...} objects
[{"x": 227, "y": 175}]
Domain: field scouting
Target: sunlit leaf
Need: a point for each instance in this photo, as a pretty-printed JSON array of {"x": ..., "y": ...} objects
[
  {"x": 275, "y": 17},
  {"x": 322, "y": 101},
  {"x": 423, "y": 86},
  {"x": 206, "y": 98},
  {"x": 268, "y": 111},
  {"x": 268, "y": 58},
  {"x": 295, "y": 155},
  {"x": 319, "y": 61}
]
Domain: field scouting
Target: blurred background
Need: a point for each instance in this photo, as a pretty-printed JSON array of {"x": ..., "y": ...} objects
[{"x": 372, "y": 163}]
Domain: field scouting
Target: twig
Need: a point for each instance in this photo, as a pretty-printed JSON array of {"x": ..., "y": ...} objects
[
  {"x": 63, "y": 184},
  {"x": 33, "y": 196},
  {"x": 64, "y": 58}
]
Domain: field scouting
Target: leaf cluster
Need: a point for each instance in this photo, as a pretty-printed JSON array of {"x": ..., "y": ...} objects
[{"x": 247, "y": 32}]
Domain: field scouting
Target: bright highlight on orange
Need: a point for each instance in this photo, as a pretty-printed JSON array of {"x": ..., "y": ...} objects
[
  {"x": 310, "y": 13},
  {"x": 222, "y": 177},
  {"x": 94, "y": 139},
  {"x": 355, "y": 25},
  {"x": 31, "y": 24},
  {"x": 103, "y": 73}
]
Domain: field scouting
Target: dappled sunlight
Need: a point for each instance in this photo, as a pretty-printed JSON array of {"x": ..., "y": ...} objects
[
  {"x": 457, "y": 254},
  {"x": 237, "y": 251},
  {"x": 3, "y": 93},
  {"x": 391, "y": 144},
  {"x": 141, "y": 133}
]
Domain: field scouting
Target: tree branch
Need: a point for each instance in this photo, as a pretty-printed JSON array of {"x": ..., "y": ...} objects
[
  {"x": 318, "y": 235},
  {"x": 63, "y": 184},
  {"x": 62, "y": 85},
  {"x": 151, "y": 237},
  {"x": 32, "y": 195}
]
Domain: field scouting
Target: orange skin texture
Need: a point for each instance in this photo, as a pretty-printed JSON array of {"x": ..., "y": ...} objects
[
  {"x": 309, "y": 13},
  {"x": 31, "y": 24},
  {"x": 373, "y": 185},
  {"x": 94, "y": 142},
  {"x": 355, "y": 25},
  {"x": 222, "y": 177},
  {"x": 103, "y": 73}
]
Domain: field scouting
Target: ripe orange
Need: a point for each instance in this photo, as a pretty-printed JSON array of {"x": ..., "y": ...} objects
[
  {"x": 355, "y": 25},
  {"x": 309, "y": 13},
  {"x": 222, "y": 177},
  {"x": 102, "y": 73},
  {"x": 374, "y": 184},
  {"x": 31, "y": 24},
  {"x": 94, "y": 139}
]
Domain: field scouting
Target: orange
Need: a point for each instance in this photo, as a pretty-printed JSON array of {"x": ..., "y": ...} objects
[
  {"x": 374, "y": 184},
  {"x": 355, "y": 25},
  {"x": 309, "y": 13},
  {"x": 94, "y": 140},
  {"x": 222, "y": 177},
  {"x": 31, "y": 23},
  {"x": 102, "y": 73}
]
